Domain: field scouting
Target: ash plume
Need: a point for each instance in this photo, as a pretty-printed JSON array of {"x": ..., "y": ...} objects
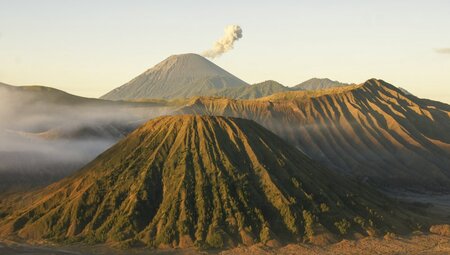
[{"x": 224, "y": 44}]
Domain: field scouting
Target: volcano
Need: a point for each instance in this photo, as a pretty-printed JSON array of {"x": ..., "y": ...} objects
[
  {"x": 179, "y": 76},
  {"x": 204, "y": 181},
  {"x": 372, "y": 131}
]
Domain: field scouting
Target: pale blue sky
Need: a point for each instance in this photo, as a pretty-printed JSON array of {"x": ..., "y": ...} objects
[{"x": 90, "y": 47}]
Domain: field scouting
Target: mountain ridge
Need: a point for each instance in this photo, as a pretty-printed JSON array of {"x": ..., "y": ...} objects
[
  {"x": 253, "y": 91},
  {"x": 371, "y": 131},
  {"x": 319, "y": 83},
  {"x": 205, "y": 181}
]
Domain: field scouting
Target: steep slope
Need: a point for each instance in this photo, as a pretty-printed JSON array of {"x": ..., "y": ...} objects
[
  {"x": 317, "y": 84},
  {"x": 179, "y": 76},
  {"x": 258, "y": 90},
  {"x": 203, "y": 181},
  {"x": 372, "y": 131}
]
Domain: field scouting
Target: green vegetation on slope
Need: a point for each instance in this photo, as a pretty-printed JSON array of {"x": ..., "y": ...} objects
[{"x": 200, "y": 181}]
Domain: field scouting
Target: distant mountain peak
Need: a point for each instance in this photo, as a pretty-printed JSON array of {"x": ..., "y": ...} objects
[
  {"x": 319, "y": 83},
  {"x": 319, "y": 79},
  {"x": 269, "y": 82},
  {"x": 189, "y": 54},
  {"x": 257, "y": 90},
  {"x": 178, "y": 76}
]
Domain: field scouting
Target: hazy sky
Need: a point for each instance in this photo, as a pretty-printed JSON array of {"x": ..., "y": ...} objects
[{"x": 90, "y": 47}]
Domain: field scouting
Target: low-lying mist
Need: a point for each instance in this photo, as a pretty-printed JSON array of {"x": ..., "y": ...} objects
[{"x": 47, "y": 134}]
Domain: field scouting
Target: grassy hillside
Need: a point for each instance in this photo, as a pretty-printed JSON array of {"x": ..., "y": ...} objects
[{"x": 202, "y": 181}]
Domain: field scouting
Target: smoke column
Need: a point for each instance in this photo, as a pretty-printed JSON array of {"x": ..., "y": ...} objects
[{"x": 224, "y": 44}]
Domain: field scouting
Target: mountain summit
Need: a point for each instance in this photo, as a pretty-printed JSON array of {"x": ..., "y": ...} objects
[
  {"x": 179, "y": 76},
  {"x": 201, "y": 181},
  {"x": 372, "y": 130},
  {"x": 317, "y": 84},
  {"x": 265, "y": 88}
]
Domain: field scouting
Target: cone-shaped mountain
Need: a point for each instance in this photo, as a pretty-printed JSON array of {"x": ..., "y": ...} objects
[
  {"x": 179, "y": 76},
  {"x": 200, "y": 181}
]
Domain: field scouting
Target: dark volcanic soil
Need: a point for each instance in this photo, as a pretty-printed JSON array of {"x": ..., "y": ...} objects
[{"x": 419, "y": 244}]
